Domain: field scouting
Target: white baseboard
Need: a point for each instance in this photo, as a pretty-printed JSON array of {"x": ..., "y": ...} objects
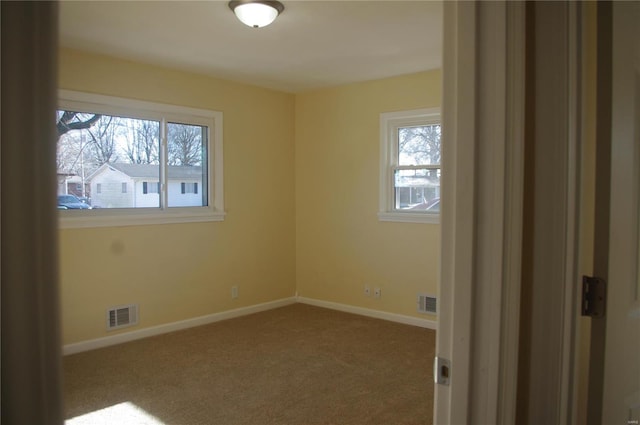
[
  {"x": 171, "y": 327},
  {"x": 238, "y": 312},
  {"x": 392, "y": 317}
]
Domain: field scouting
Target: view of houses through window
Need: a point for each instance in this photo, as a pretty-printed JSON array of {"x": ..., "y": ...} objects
[
  {"x": 111, "y": 161},
  {"x": 410, "y": 170},
  {"x": 417, "y": 169}
]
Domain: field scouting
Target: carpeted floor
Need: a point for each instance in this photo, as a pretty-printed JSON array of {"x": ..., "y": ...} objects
[{"x": 293, "y": 365}]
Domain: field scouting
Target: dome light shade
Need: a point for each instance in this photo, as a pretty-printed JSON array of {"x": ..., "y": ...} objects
[{"x": 256, "y": 14}]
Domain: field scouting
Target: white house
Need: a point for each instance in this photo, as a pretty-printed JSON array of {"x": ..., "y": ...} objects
[{"x": 138, "y": 186}]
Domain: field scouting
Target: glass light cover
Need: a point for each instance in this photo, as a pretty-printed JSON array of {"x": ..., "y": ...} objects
[{"x": 256, "y": 15}]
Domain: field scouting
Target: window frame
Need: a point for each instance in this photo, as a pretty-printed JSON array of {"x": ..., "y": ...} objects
[
  {"x": 164, "y": 113},
  {"x": 390, "y": 122}
]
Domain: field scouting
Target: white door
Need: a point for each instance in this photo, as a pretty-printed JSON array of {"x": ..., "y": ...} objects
[{"x": 621, "y": 390}]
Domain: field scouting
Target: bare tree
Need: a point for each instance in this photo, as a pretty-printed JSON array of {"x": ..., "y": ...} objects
[
  {"x": 67, "y": 153},
  {"x": 69, "y": 120},
  {"x": 73, "y": 154},
  {"x": 420, "y": 145},
  {"x": 142, "y": 143},
  {"x": 103, "y": 137},
  {"x": 184, "y": 144}
]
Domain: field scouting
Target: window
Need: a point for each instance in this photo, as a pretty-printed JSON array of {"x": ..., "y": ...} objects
[
  {"x": 139, "y": 160},
  {"x": 150, "y": 188},
  {"x": 189, "y": 188},
  {"x": 410, "y": 166}
]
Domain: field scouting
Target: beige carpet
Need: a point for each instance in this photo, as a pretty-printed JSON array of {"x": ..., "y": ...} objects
[{"x": 293, "y": 365}]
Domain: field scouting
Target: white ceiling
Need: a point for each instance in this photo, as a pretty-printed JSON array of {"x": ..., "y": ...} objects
[{"x": 312, "y": 44}]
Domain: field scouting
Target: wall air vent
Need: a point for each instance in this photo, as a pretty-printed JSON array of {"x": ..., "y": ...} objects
[
  {"x": 122, "y": 316},
  {"x": 427, "y": 304}
]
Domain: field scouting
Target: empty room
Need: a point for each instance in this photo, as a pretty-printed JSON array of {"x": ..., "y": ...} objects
[
  {"x": 211, "y": 219},
  {"x": 257, "y": 239}
]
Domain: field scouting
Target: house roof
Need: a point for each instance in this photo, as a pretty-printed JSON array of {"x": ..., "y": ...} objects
[
  {"x": 152, "y": 171},
  {"x": 65, "y": 173}
]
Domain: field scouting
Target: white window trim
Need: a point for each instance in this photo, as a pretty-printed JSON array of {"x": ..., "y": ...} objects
[
  {"x": 88, "y": 102},
  {"x": 389, "y": 123}
]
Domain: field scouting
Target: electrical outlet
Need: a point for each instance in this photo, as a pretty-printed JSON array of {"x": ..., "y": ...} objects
[
  {"x": 367, "y": 291},
  {"x": 234, "y": 292},
  {"x": 377, "y": 292}
]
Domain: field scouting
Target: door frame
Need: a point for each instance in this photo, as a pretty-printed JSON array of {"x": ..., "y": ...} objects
[
  {"x": 483, "y": 188},
  {"x": 491, "y": 253},
  {"x": 613, "y": 357},
  {"x": 31, "y": 349}
]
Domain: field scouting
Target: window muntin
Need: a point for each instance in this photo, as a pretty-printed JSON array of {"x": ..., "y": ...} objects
[
  {"x": 410, "y": 153},
  {"x": 143, "y": 152}
]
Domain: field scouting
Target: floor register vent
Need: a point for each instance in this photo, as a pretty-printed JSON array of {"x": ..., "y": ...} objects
[
  {"x": 122, "y": 316},
  {"x": 427, "y": 304}
]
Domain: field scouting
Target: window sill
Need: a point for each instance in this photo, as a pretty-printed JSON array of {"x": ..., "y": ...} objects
[
  {"x": 408, "y": 217},
  {"x": 119, "y": 218}
]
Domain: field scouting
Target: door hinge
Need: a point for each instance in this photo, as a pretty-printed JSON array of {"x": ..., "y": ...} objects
[
  {"x": 441, "y": 370},
  {"x": 594, "y": 296}
]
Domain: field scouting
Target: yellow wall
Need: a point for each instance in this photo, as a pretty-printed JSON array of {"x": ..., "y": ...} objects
[
  {"x": 341, "y": 245},
  {"x": 181, "y": 271},
  {"x": 301, "y": 195}
]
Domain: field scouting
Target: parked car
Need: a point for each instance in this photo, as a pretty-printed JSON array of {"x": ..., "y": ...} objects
[
  {"x": 71, "y": 202},
  {"x": 85, "y": 200}
]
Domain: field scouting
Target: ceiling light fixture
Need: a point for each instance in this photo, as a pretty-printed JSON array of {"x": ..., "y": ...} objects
[{"x": 258, "y": 13}]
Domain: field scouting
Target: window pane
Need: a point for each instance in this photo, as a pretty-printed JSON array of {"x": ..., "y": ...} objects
[
  {"x": 417, "y": 190},
  {"x": 419, "y": 145},
  {"x": 109, "y": 157},
  {"x": 186, "y": 176}
]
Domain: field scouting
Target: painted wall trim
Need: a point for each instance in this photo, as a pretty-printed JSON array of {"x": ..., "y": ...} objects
[
  {"x": 377, "y": 314},
  {"x": 172, "y": 327},
  {"x": 513, "y": 212},
  {"x": 93, "y": 344},
  {"x": 451, "y": 404}
]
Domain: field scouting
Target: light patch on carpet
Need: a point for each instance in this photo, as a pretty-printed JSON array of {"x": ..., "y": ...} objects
[{"x": 125, "y": 413}]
